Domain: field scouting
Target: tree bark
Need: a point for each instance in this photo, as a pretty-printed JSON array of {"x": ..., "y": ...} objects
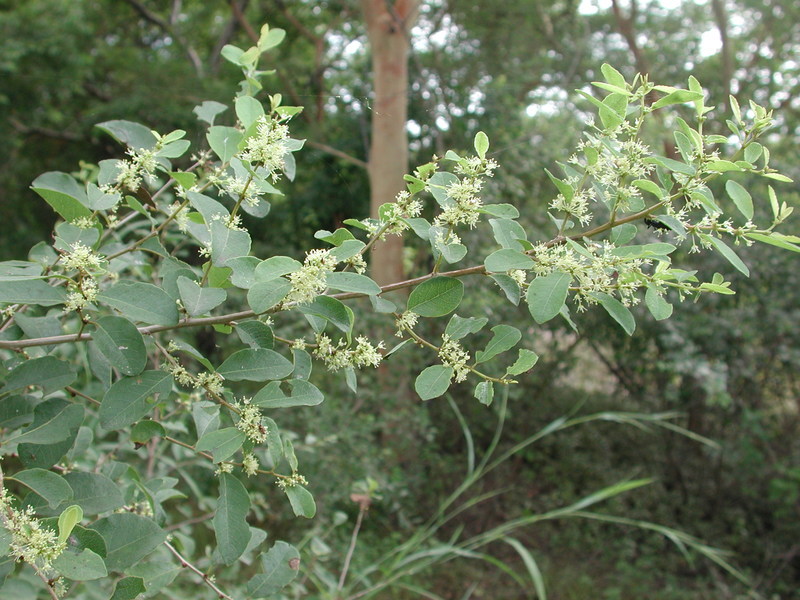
[{"x": 388, "y": 26}]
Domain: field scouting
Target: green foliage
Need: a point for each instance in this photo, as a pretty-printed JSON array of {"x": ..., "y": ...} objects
[{"x": 111, "y": 371}]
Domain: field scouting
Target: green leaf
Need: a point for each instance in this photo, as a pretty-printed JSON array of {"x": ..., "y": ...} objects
[
  {"x": 227, "y": 243},
  {"x": 301, "y": 500},
  {"x": 31, "y": 291},
  {"x": 677, "y": 97},
  {"x": 230, "y": 526},
  {"x": 302, "y": 393},
  {"x": 264, "y": 295},
  {"x": 121, "y": 343},
  {"x": 129, "y": 133},
  {"x": 279, "y": 567},
  {"x": 547, "y": 294},
  {"x": 509, "y": 286},
  {"x": 199, "y": 300},
  {"x": 433, "y": 381},
  {"x": 63, "y": 194},
  {"x": 353, "y": 282},
  {"x": 131, "y": 398},
  {"x": 481, "y": 144},
  {"x": 648, "y": 186},
  {"x": 722, "y": 166},
  {"x": 613, "y": 76},
  {"x": 257, "y": 364},
  {"x": 144, "y": 431},
  {"x": 53, "y": 488},
  {"x": 222, "y": 443},
  {"x": 52, "y": 422},
  {"x": 525, "y": 362},
  {"x": 618, "y": 311},
  {"x": 507, "y": 233},
  {"x": 502, "y": 211},
  {"x": 564, "y": 188},
  {"x": 274, "y": 267},
  {"x": 224, "y": 141},
  {"x": 484, "y": 392},
  {"x": 47, "y": 372},
  {"x": 255, "y": 334},
  {"x": 93, "y": 492},
  {"x": 270, "y": 38},
  {"x": 436, "y": 297},
  {"x": 140, "y": 301},
  {"x": 68, "y": 519},
  {"x": 458, "y": 327},
  {"x": 729, "y": 254},
  {"x": 331, "y": 310},
  {"x": 128, "y": 588},
  {"x": 531, "y": 566},
  {"x": 656, "y": 304},
  {"x": 80, "y": 566},
  {"x": 129, "y": 538},
  {"x": 741, "y": 198},
  {"x": 248, "y": 110},
  {"x": 506, "y": 260},
  {"x": 504, "y": 338},
  {"x": 773, "y": 240}
]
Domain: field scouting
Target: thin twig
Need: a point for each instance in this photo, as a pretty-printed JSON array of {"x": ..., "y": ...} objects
[
  {"x": 206, "y": 579},
  {"x": 363, "y": 507}
]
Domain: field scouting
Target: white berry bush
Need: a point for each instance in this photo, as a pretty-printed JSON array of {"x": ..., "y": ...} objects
[{"x": 109, "y": 417}]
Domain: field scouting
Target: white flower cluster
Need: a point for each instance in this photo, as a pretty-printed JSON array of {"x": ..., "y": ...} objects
[
  {"x": 309, "y": 281},
  {"x": 393, "y": 215},
  {"x": 577, "y": 207},
  {"x": 36, "y": 545},
  {"x": 211, "y": 382},
  {"x": 249, "y": 422},
  {"x": 340, "y": 355},
  {"x": 250, "y": 464},
  {"x": 268, "y": 146},
  {"x": 239, "y": 187},
  {"x": 466, "y": 201},
  {"x": 406, "y": 322},
  {"x": 142, "y": 163},
  {"x": 81, "y": 258},
  {"x": 602, "y": 272},
  {"x": 452, "y": 354},
  {"x": 291, "y": 481},
  {"x": 81, "y": 294}
]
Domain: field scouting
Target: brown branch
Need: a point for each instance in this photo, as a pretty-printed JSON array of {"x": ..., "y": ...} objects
[
  {"x": 338, "y": 153},
  {"x": 44, "y": 131},
  {"x": 204, "y": 576},
  {"x": 227, "y": 35}
]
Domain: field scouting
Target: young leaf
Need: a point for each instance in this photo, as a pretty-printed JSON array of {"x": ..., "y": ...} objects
[
  {"x": 506, "y": 260},
  {"x": 656, "y": 304},
  {"x": 741, "y": 198},
  {"x": 525, "y": 362},
  {"x": 484, "y": 392},
  {"x": 481, "y": 144},
  {"x": 67, "y": 520},
  {"x": 140, "y": 301}
]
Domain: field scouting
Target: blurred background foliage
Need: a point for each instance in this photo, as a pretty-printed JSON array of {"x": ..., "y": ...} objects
[{"x": 729, "y": 364}]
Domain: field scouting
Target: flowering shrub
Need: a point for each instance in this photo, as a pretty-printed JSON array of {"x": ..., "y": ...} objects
[{"x": 99, "y": 383}]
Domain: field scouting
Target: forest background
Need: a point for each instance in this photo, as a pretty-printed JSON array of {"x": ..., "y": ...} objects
[{"x": 728, "y": 364}]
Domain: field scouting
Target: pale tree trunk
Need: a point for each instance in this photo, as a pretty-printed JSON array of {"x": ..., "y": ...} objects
[{"x": 388, "y": 25}]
